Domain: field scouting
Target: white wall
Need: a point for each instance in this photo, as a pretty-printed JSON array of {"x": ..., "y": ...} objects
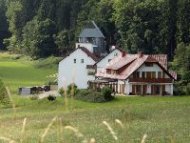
[
  {"x": 70, "y": 72},
  {"x": 155, "y": 68},
  {"x": 104, "y": 62},
  {"x": 168, "y": 88},
  {"x": 88, "y": 46}
]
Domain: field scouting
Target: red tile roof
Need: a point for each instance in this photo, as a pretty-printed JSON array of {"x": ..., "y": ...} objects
[
  {"x": 90, "y": 54},
  {"x": 132, "y": 63}
]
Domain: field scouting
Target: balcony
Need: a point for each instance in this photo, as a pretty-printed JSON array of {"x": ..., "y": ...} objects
[{"x": 153, "y": 80}]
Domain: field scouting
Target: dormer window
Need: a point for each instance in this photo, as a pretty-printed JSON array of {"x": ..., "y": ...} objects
[
  {"x": 82, "y": 60},
  {"x": 116, "y": 54},
  {"x": 75, "y": 61},
  {"x": 149, "y": 64}
]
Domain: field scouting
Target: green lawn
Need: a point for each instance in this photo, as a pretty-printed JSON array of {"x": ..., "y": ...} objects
[
  {"x": 22, "y": 72},
  {"x": 163, "y": 119}
]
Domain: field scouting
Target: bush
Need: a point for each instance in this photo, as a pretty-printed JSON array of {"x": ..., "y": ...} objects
[
  {"x": 106, "y": 92},
  {"x": 61, "y": 91},
  {"x": 34, "y": 97},
  {"x": 188, "y": 89},
  {"x": 3, "y": 93},
  {"x": 181, "y": 88},
  {"x": 72, "y": 90},
  {"x": 47, "y": 62},
  {"x": 51, "y": 98},
  {"x": 90, "y": 95}
]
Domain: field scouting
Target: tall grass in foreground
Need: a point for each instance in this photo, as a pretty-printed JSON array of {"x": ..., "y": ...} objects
[{"x": 57, "y": 121}]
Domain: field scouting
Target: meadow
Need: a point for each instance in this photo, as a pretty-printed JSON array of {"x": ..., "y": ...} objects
[{"x": 123, "y": 120}]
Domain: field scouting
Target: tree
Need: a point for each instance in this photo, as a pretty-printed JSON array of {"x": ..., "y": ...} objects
[
  {"x": 15, "y": 27},
  {"x": 4, "y": 33},
  {"x": 62, "y": 41},
  {"x": 138, "y": 24},
  {"x": 184, "y": 21},
  {"x": 39, "y": 38},
  {"x": 172, "y": 27},
  {"x": 182, "y": 61}
]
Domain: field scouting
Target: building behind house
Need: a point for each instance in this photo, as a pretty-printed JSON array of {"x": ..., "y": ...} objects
[{"x": 89, "y": 65}]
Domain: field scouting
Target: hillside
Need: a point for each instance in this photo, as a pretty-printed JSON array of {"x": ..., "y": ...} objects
[
  {"x": 22, "y": 72},
  {"x": 162, "y": 119}
]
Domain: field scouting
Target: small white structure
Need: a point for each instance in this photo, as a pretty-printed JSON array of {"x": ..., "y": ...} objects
[
  {"x": 92, "y": 34},
  {"x": 77, "y": 68},
  {"x": 101, "y": 64}
]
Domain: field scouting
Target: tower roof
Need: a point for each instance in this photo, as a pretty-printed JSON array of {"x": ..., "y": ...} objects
[{"x": 92, "y": 32}]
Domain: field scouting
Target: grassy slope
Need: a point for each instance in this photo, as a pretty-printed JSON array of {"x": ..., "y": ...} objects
[
  {"x": 19, "y": 73},
  {"x": 163, "y": 119}
]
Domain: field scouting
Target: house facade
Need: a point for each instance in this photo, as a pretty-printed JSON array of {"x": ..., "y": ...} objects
[
  {"x": 137, "y": 74},
  {"x": 78, "y": 67}
]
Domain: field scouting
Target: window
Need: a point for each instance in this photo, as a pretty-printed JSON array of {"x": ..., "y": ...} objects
[
  {"x": 82, "y": 60},
  {"x": 136, "y": 75},
  {"x": 75, "y": 60},
  {"x": 108, "y": 71},
  {"x": 143, "y": 75},
  {"x": 115, "y": 54},
  {"x": 109, "y": 60},
  {"x": 153, "y": 75},
  {"x": 159, "y": 74},
  {"x": 148, "y": 74},
  {"x": 149, "y": 64}
]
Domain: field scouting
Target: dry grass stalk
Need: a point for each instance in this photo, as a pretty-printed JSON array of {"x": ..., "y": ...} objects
[
  {"x": 144, "y": 138},
  {"x": 7, "y": 140},
  {"x": 12, "y": 102},
  {"x": 120, "y": 123},
  {"x": 76, "y": 131},
  {"x": 92, "y": 140},
  {"x": 111, "y": 130},
  {"x": 23, "y": 130},
  {"x": 47, "y": 129}
]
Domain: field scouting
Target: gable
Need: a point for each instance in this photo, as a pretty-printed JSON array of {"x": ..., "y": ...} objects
[
  {"x": 154, "y": 67},
  {"x": 104, "y": 61},
  {"x": 78, "y": 54}
]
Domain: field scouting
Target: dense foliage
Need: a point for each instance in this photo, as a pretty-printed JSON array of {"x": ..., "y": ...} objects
[
  {"x": 3, "y": 93},
  {"x": 50, "y": 27},
  {"x": 90, "y": 95}
]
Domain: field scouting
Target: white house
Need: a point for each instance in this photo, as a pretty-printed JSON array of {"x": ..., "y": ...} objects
[
  {"x": 137, "y": 74},
  {"x": 77, "y": 68}
]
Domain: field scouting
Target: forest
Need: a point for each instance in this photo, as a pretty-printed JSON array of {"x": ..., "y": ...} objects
[{"x": 41, "y": 28}]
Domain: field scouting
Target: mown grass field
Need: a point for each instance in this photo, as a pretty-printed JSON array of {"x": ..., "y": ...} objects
[
  {"x": 22, "y": 72},
  {"x": 163, "y": 119}
]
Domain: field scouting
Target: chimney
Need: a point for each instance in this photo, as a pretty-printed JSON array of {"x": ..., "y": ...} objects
[
  {"x": 123, "y": 54},
  {"x": 140, "y": 54}
]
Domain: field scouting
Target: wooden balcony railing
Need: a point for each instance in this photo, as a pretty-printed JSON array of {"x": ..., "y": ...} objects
[{"x": 153, "y": 80}]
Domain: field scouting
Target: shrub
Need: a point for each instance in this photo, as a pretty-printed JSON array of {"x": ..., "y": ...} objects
[
  {"x": 51, "y": 98},
  {"x": 3, "y": 93},
  {"x": 16, "y": 57},
  {"x": 72, "y": 90},
  {"x": 34, "y": 97},
  {"x": 106, "y": 92},
  {"x": 61, "y": 91},
  {"x": 188, "y": 89},
  {"x": 48, "y": 62},
  {"x": 90, "y": 95}
]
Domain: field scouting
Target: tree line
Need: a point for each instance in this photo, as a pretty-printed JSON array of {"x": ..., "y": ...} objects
[{"x": 40, "y": 28}]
